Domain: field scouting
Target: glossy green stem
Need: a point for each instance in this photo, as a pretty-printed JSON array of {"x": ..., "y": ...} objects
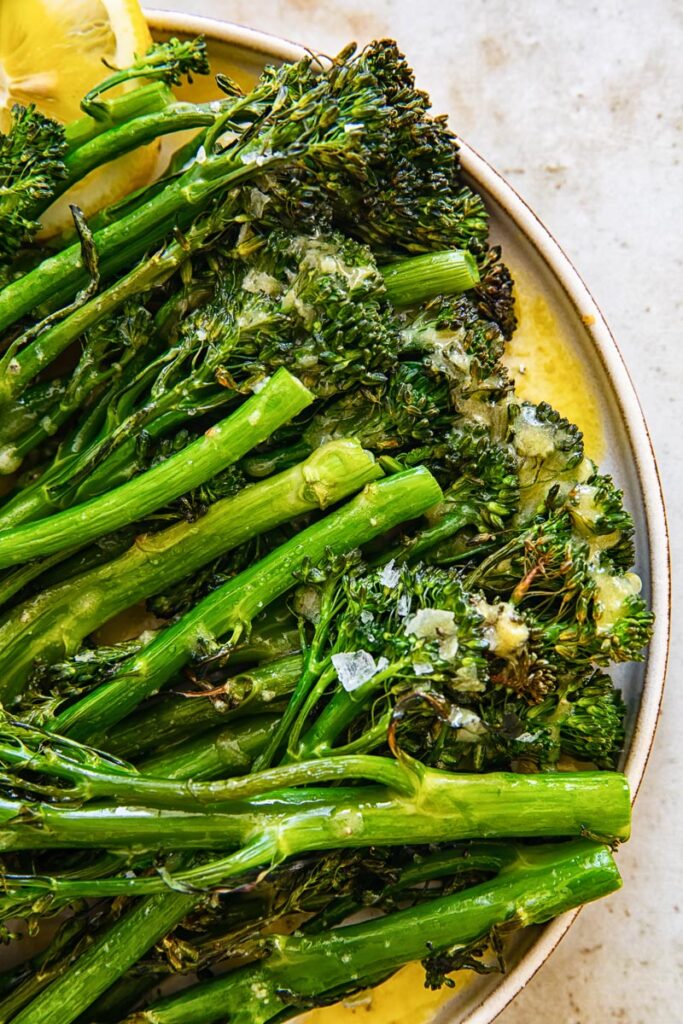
[
  {"x": 307, "y": 679},
  {"x": 424, "y": 541},
  {"x": 542, "y": 882},
  {"x": 146, "y": 99},
  {"x": 126, "y": 136},
  {"x": 230, "y": 608},
  {"x": 107, "y": 959},
  {"x": 52, "y": 625},
  {"x": 432, "y": 807},
  {"x": 175, "y": 718},
  {"x": 14, "y": 582},
  {"x": 224, "y": 752},
  {"x": 411, "y": 281},
  {"x": 338, "y": 714},
  {"x": 282, "y": 397},
  {"x": 98, "y": 779}
]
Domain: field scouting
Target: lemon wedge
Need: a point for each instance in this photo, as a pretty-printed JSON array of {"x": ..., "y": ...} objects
[{"x": 51, "y": 54}]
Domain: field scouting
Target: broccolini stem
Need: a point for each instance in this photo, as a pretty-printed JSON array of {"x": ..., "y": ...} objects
[
  {"x": 424, "y": 541},
  {"x": 231, "y": 608},
  {"x": 543, "y": 882},
  {"x": 223, "y": 752},
  {"x": 369, "y": 740},
  {"x": 169, "y": 62},
  {"x": 53, "y": 624},
  {"x": 301, "y": 692},
  {"x": 176, "y": 718},
  {"x": 279, "y": 401},
  {"x": 342, "y": 709},
  {"x": 107, "y": 959},
  {"x": 19, "y": 366},
  {"x": 123, "y": 138},
  {"x": 146, "y": 99},
  {"x": 93, "y": 777},
  {"x": 58, "y": 278},
  {"x": 15, "y": 581},
  {"x": 414, "y": 280},
  {"x": 442, "y": 807},
  {"x": 469, "y": 857}
]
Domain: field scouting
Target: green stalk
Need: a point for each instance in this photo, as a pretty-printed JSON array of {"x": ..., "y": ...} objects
[
  {"x": 419, "y": 808},
  {"x": 60, "y": 276},
  {"x": 65, "y": 564},
  {"x": 168, "y": 62},
  {"x": 163, "y": 723},
  {"x": 95, "y": 778},
  {"x": 36, "y": 974},
  {"x": 411, "y": 281},
  {"x": 425, "y": 540},
  {"x": 27, "y": 908},
  {"x": 124, "y": 137},
  {"x": 14, "y": 582},
  {"x": 542, "y": 882},
  {"x": 231, "y": 608},
  {"x": 52, "y": 624},
  {"x": 20, "y": 365},
  {"x": 107, "y": 959},
  {"x": 446, "y": 864},
  {"x": 226, "y": 751},
  {"x": 282, "y": 397},
  {"x": 301, "y": 694},
  {"x": 146, "y": 99},
  {"x": 339, "y": 713}
]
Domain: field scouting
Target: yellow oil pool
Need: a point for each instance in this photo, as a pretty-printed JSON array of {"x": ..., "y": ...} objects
[
  {"x": 545, "y": 367},
  {"x": 400, "y": 1000}
]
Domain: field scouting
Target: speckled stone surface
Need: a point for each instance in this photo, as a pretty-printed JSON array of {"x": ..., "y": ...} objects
[{"x": 580, "y": 106}]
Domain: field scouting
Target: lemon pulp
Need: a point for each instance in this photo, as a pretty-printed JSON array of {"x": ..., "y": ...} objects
[{"x": 51, "y": 54}]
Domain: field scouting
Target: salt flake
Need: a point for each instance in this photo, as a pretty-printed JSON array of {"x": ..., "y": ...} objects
[
  {"x": 354, "y": 668},
  {"x": 390, "y": 575}
]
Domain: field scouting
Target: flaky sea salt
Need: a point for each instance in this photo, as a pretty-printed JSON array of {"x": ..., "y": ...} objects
[
  {"x": 390, "y": 575},
  {"x": 354, "y": 668}
]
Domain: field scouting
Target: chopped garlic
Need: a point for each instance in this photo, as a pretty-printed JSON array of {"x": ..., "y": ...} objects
[
  {"x": 435, "y": 624},
  {"x": 611, "y": 592},
  {"x": 259, "y": 281},
  {"x": 504, "y": 629},
  {"x": 469, "y": 725}
]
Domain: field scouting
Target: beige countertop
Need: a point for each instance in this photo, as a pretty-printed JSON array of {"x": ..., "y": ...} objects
[{"x": 580, "y": 106}]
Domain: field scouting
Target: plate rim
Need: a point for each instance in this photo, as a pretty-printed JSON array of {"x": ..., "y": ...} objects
[{"x": 264, "y": 44}]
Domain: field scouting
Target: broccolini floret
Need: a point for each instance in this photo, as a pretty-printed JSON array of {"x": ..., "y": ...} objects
[{"x": 31, "y": 165}]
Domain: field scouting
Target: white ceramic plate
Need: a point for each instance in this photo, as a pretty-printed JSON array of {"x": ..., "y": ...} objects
[{"x": 534, "y": 255}]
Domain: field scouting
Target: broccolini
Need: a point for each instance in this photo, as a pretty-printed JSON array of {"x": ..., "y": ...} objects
[{"x": 304, "y": 611}]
